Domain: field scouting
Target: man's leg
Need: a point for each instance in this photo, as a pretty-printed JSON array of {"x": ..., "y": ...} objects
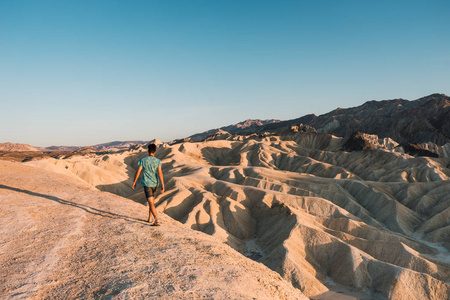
[
  {"x": 149, "y": 209},
  {"x": 149, "y": 194},
  {"x": 152, "y": 209}
]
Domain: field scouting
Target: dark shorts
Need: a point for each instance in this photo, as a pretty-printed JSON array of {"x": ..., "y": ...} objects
[{"x": 149, "y": 191}]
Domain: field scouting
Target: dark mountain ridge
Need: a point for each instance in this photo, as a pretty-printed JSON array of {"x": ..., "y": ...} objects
[
  {"x": 118, "y": 145},
  {"x": 245, "y": 127},
  {"x": 424, "y": 120}
]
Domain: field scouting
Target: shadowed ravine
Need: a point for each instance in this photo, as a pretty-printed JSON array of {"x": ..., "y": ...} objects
[{"x": 375, "y": 222}]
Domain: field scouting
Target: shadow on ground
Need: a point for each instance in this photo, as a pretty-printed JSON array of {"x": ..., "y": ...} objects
[{"x": 84, "y": 207}]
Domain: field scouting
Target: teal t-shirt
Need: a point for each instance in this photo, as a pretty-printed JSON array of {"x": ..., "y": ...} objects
[{"x": 150, "y": 165}]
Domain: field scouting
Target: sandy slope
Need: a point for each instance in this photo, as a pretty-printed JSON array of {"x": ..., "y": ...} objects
[
  {"x": 375, "y": 222},
  {"x": 16, "y": 147},
  {"x": 62, "y": 239}
]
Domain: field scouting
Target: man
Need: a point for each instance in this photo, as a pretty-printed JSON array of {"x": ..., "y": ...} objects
[{"x": 153, "y": 176}]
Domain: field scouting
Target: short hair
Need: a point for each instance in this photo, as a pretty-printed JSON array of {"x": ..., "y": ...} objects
[{"x": 151, "y": 148}]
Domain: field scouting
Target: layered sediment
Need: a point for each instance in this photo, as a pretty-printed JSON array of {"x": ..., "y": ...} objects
[{"x": 374, "y": 222}]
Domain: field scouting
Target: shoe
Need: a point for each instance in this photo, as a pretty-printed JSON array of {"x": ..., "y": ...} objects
[{"x": 156, "y": 223}]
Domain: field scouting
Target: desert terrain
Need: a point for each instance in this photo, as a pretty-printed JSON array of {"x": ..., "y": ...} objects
[
  {"x": 373, "y": 222},
  {"x": 285, "y": 211},
  {"x": 64, "y": 239}
]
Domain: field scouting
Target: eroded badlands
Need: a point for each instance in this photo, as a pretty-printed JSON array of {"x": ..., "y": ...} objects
[
  {"x": 62, "y": 239},
  {"x": 373, "y": 222}
]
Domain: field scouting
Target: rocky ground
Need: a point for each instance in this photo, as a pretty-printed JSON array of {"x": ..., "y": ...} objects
[
  {"x": 63, "y": 239},
  {"x": 373, "y": 223}
]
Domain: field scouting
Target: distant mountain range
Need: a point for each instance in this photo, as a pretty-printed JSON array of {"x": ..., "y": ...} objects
[
  {"x": 111, "y": 146},
  {"x": 425, "y": 120},
  {"x": 117, "y": 145},
  {"x": 58, "y": 148},
  {"x": 14, "y": 147},
  {"x": 245, "y": 127},
  {"x": 420, "y": 121}
]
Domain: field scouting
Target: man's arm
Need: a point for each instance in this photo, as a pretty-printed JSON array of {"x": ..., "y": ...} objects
[
  {"x": 161, "y": 178},
  {"x": 138, "y": 172}
]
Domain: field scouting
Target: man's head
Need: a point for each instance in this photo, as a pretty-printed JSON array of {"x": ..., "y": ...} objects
[{"x": 151, "y": 148}]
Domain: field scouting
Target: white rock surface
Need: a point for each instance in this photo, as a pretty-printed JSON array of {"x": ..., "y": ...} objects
[
  {"x": 62, "y": 239},
  {"x": 374, "y": 222}
]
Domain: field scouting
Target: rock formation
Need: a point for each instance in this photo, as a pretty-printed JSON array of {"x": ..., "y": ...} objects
[
  {"x": 369, "y": 222},
  {"x": 17, "y": 147},
  {"x": 63, "y": 239},
  {"x": 120, "y": 145},
  {"x": 423, "y": 120},
  {"x": 442, "y": 151},
  {"x": 346, "y": 212},
  {"x": 361, "y": 141},
  {"x": 417, "y": 150}
]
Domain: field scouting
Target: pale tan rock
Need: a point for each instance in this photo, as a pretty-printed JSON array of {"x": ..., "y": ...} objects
[
  {"x": 62, "y": 239},
  {"x": 369, "y": 222},
  {"x": 17, "y": 147}
]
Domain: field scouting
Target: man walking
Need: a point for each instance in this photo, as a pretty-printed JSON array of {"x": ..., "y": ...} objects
[{"x": 153, "y": 176}]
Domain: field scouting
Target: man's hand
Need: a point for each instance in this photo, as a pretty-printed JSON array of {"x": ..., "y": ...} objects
[
  {"x": 161, "y": 179},
  {"x": 136, "y": 177}
]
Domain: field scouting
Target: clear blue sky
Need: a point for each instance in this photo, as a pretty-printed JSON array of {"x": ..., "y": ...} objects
[{"x": 88, "y": 72}]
